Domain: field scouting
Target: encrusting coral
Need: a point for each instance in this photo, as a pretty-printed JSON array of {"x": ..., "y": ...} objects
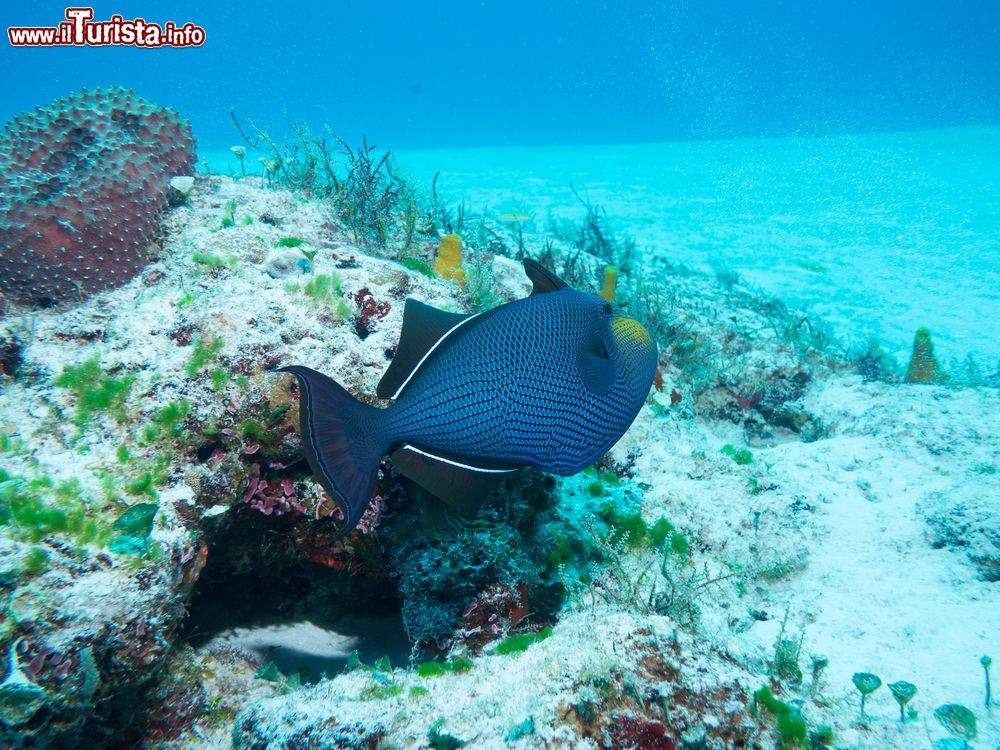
[{"x": 84, "y": 180}]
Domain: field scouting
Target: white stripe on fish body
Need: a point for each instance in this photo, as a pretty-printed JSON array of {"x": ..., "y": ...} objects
[{"x": 457, "y": 463}]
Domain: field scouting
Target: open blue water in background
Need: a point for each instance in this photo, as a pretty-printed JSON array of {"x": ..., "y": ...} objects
[{"x": 843, "y": 155}]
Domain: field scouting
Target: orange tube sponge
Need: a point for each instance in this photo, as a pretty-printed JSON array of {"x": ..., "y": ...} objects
[
  {"x": 924, "y": 367},
  {"x": 449, "y": 259}
]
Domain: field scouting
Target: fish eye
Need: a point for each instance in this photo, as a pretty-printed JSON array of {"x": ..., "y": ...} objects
[{"x": 608, "y": 310}]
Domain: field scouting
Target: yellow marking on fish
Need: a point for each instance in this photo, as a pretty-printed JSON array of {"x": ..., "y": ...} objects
[{"x": 630, "y": 335}]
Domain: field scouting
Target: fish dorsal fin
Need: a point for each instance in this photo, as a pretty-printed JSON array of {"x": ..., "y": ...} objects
[
  {"x": 459, "y": 483},
  {"x": 542, "y": 279},
  {"x": 424, "y": 327},
  {"x": 596, "y": 368}
]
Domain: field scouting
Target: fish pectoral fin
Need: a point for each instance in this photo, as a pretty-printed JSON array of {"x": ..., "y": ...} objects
[
  {"x": 424, "y": 327},
  {"x": 460, "y": 485},
  {"x": 597, "y": 370},
  {"x": 542, "y": 279}
]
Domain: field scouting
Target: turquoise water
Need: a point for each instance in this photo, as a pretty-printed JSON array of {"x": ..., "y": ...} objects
[
  {"x": 878, "y": 234},
  {"x": 857, "y": 138}
]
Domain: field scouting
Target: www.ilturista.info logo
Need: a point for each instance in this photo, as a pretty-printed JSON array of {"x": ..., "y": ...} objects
[{"x": 80, "y": 30}]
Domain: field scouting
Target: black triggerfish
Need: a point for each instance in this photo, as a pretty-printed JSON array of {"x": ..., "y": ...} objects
[{"x": 551, "y": 381}]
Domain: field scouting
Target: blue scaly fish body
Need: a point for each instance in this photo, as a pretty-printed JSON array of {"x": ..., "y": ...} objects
[
  {"x": 551, "y": 382},
  {"x": 506, "y": 387}
]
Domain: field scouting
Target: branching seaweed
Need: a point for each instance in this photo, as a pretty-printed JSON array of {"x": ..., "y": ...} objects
[
  {"x": 374, "y": 202},
  {"x": 593, "y": 237},
  {"x": 633, "y": 585},
  {"x": 306, "y": 163}
]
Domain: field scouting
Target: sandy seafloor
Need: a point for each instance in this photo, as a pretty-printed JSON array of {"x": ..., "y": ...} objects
[{"x": 875, "y": 542}]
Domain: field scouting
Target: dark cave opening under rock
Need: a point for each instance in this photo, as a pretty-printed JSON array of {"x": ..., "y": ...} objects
[
  {"x": 282, "y": 586},
  {"x": 277, "y": 587}
]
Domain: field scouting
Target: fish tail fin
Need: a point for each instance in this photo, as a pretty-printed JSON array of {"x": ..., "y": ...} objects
[{"x": 341, "y": 441}]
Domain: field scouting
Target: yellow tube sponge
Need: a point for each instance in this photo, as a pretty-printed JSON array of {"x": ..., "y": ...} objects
[
  {"x": 449, "y": 258},
  {"x": 610, "y": 282},
  {"x": 924, "y": 367}
]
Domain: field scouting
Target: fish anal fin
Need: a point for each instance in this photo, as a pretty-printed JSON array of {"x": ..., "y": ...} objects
[
  {"x": 423, "y": 327},
  {"x": 461, "y": 487},
  {"x": 542, "y": 279}
]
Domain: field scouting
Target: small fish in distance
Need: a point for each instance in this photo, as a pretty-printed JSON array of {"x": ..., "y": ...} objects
[{"x": 551, "y": 381}]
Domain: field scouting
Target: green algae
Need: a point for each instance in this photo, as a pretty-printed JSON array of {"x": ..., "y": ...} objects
[
  {"x": 34, "y": 509},
  {"x": 36, "y": 561},
  {"x": 95, "y": 390},
  {"x": 145, "y": 484},
  {"x": 219, "y": 378},
  {"x": 168, "y": 422},
  {"x": 903, "y": 692},
  {"x": 866, "y": 683},
  {"x": 418, "y": 265},
  {"x": 213, "y": 261},
  {"x": 229, "y": 214},
  {"x": 324, "y": 288},
  {"x": 202, "y": 354},
  {"x": 632, "y": 530},
  {"x": 185, "y": 300},
  {"x": 791, "y": 726},
  {"x": 25, "y": 510},
  {"x": 381, "y": 692},
  {"x": 958, "y": 720},
  {"x": 289, "y": 242},
  {"x": 741, "y": 456},
  {"x": 517, "y": 644},
  {"x": 255, "y": 432},
  {"x": 137, "y": 520},
  {"x": 438, "y": 668},
  {"x": 432, "y": 669}
]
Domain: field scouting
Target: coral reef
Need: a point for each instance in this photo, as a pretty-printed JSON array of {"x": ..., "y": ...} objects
[
  {"x": 462, "y": 580},
  {"x": 84, "y": 180},
  {"x": 170, "y": 576}
]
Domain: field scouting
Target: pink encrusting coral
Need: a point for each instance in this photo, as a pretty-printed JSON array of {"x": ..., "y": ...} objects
[{"x": 83, "y": 181}]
